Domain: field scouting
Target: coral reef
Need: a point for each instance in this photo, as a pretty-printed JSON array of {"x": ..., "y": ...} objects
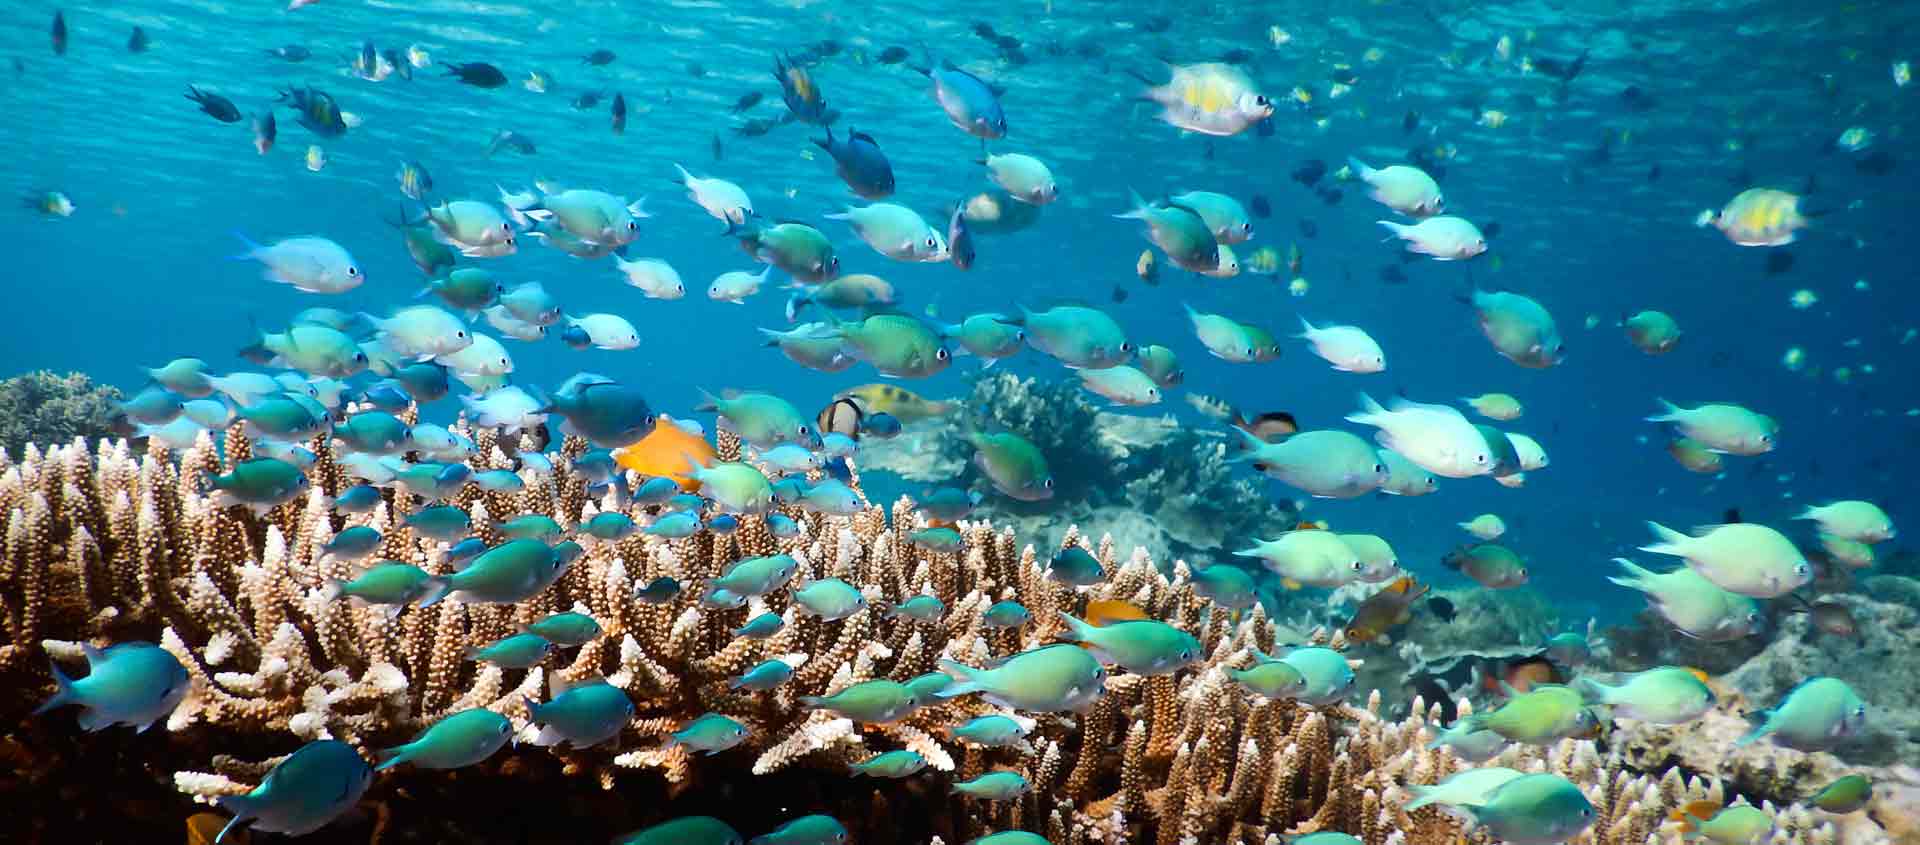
[
  {"x": 1160, "y": 484},
  {"x": 44, "y": 407},
  {"x": 105, "y": 544}
]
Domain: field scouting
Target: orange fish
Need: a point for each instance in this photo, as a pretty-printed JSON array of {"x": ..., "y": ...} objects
[
  {"x": 1108, "y": 611},
  {"x": 1385, "y": 610},
  {"x": 1690, "y": 814},
  {"x": 1698, "y": 673},
  {"x": 666, "y": 451},
  {"x": 1521, "y": 674}
]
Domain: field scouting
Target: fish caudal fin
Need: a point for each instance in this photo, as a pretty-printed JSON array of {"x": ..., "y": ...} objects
[
  {"x": 1671, "y": 542},
  {"x": 967, "y": 679},
  {"x": 63, "y": 693},
  {"x": 437, "y": 588}
]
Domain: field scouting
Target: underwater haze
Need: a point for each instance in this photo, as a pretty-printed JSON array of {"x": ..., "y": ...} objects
[{"x": 1592, "y": 133}]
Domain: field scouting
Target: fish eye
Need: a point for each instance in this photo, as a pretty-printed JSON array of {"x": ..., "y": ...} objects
[
  {"x": 1356, "y": 565},
  {"x": 1479, "y": 459},
  {"x": 940, "y": 354},
  {"x": 632, "y": 226},
  {"x": 459, "y": 334},
  {"x": 931, "y": 243},
  {"x": 1260, "y": 100},
  {"x": 1379, "y": 468},
  {"x": 1048, "y": 484},
  {"x": 353, "y": 271}
]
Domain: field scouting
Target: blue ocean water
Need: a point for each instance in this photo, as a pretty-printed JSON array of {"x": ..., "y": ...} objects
[{"x": 1732, "y": 95}]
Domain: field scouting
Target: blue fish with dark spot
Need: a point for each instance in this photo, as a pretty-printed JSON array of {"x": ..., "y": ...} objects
[
  {"x": 313, "y": 786},
  {"x": 860, "y": 163},
  {"x": 132, "y": 683}
]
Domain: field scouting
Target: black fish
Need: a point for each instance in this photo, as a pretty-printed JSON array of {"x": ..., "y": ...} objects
[
  {"x": 747, "y": 101},
  {"x": 588, "y": 99},
  {"x": 1237, "y": 56},
  {"x": 477, "y": 74},
  {"x": 1635, "y": 99},
  {"x": 1563, "y": 71},
  {"x": 1308, "y": 228},
  {"x": 892, "y": 55},
  {"x": 1653, "y": 173},
  {"x": 696, "y": 70},
  {"x": 1442, "y": 608},
  {"x": 598, "y": 57},
  {"x": 137, "y": 42},
  {"x": 1430, "y": 690},
  {"x": 828, "y": 47},
  {"x": 1157, "y": 23},
  {"x": 1490, "y": 230},
  {"x": 1393, "y": 275},
  {"x": 401, "y": 67},
  {"x": 1329, "y": 195},
  {"x": 718, "y": 151},
  {"x": 860, "y": 163},
  {"x": 216, "y": 106},
  {"x": 1119, "y": 294},
  {"x": 1309, "y": 171},
  {"x": 1260, "y": 207},
  {"x": 1343, "y": 75},
  {"x": 1779, "y": 262},
  {"x": 1731, "y": 516},
  {"x": 985, "y": 30},
  {"x": 1409, "y": 122},
  {"x": 619, "y": 113},
  {"x": 960, "y": 239},
  {"x": 291, "y": 53},
  {"x": 59, "y": 33},
  {"x": 1876, "y": 163}
]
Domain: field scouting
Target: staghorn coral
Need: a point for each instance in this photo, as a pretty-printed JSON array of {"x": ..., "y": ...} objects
[
  {"x": 45, "y": 407},
  {"x": 107, "y": 544}
]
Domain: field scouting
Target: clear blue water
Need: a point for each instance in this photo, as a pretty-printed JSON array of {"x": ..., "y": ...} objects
[{"x": 1742, "y": 94}]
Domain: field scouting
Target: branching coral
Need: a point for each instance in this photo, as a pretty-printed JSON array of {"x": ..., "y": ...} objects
[
  {"x": 104, "y": 544},
  {"x": 44, "y": 407}
]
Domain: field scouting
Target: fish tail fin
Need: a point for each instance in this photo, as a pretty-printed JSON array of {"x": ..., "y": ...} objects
[
  {"x": 390, "y": 757},
  {"x": 252, "y": 249},
  {"x": 813, "y": 701},
  {"x": 1668, "y": 412},
  {"x": 63, "y": 692},
  {"x": 796, "y": 302},
  {"x": 1636, "y": 575},
  {"x": 1395, "y": 230},
  {"x": 1671, "y": 541},
  {"x": 1139, "y": 209},
  {"x": 709, "y": 403},
  {"x": 1360, "y": 168},
  {"x": 1591, "y": 690},
  {"x": 243, "y": 809},
  {"x": 1077, "y": 630},
  {"x": 1422, "y": 795},
  {"x": 967, "y": 679},
  {"x": 332, "y": 590},
  {"x": 437, "y": 588},
  {"x": 1369, "y": 411}
]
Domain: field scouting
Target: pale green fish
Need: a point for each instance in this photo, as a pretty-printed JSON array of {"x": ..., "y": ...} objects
[
  {"x": 1653, "y": 332},
  {"x": 1851, "y": 553},
  {"x": 314, "y": 350},
  {"x": 1503, "y": 457},
  {"x": 1179, "y": 232},
  {"x": 895, "y": 231},
  {"x": 686, "y": 830},
  {"x": 1536, "y": 809},
  {"x": 761, "y": 419},
  {"x": 1845, "y": 795},
  {"x": 868, "y": 702},
  {"x": 1312, "y": 557},
  {"x": 763, "y": 676},
  {"x": 312, "y": 264},
  {"x": 1348, "y": 348},
  {"x": 1542, "y": 715},
  {"x": 798, "y": 249},
  {"x": 993, "y": 731},
  {"x": 726, "y": 201},
  {"x": 1328, "y": 675},
  {"x": 921, "y": 608},
  {"x": 1519, "y": 328},
  {"x": 1862, "y": 522},
  {"x": 756, "y": 576},
  {"x": 457, "y": 741},
  {"x": 1722, "y": 427},
  {"x": 1741, "y": 824},
  {"x": 736, "y": 285},
  {"x": 595, "y": 217},
  {"x": 1121, "y": 384},
  {"x": 483, "y": 357},
  {"x": 1016, "y": 467},
  {"x": 1225, "y": 584},
  {"x": 536, "y": 526},
  {"x": 1698, "y": 607},
  {"x": 1140, "y": 646},
  {"x": 1271, "y": 679},
  {"x": 1161, "y": 365},
  {"x": 736, "y": 487},
  {"x": 1226, "y": 339},
  {"x": 1531, "y": 454},
  {"x": 567, "y": 629},
  {"x": 1048, "y": 679},
  {"x": 475, "y": 228},
  {"x": 989, "y": 336},
  {"x": 807, "y": 830},
  {"x": 1006, "y": 614},
  {"x": 1224, "y": 216},
  {"x": 895, "y": 344},
  {"x": 1327, "y": 464},
  {"x": 937, "y": 539},
  {"x": 1443, "y": 238},
  {"x": 1024, "y": 177},
  {"x": 653, "y": 276},
  {"x": 1813, "y": 716},
  {"x": 815, "y": 346},
  {"x": 1472, "y": 786},
  {"x": 1404, "y": 477},
  {"x": 890, "y": 764},
  {"x": 1470, "y": 744},
  {"x": 828, "y": 598},
  {"x": 511, "y": 572},
  {"x": 1403, "y": 188},
  {"x": 1377, "y": 561},
  {"x": 302, "y": 793},
  {"x": 926, "y": 688},
  {"x": 284, "y": 418},
  {"x": 712, "y": 733},
  {"x": 1010, "y": 837},
  {"x": 854, "y": 290},
  {"x": 993, "y": 786},
  {"x": 520, "y": 651},
  {"x": 1664, "y": 695},
  {"x": 1569, "y": 648},
  {"x": 1745, "y": 557},
  {"x": 1491, "y": 565},
  {"x": 421, "y": 332},
  {"x": 388, "y": 583},
  {"x": 260, "y": 483},
  {"x": 582, "y": 716},
  {"x": 1265, "y": 346},
  {"x": 467, "y": 289},
  {"x": 1080, "y": 337},
  {"x": 1437, "y": 438},
  {"x": 424, "y": 247},
  {"x": 185, "y": 376},
  {"x": 131, "y": 683}
]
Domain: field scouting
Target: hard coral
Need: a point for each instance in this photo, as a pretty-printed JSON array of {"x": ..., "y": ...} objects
[{"x": 44, "y": 407}]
